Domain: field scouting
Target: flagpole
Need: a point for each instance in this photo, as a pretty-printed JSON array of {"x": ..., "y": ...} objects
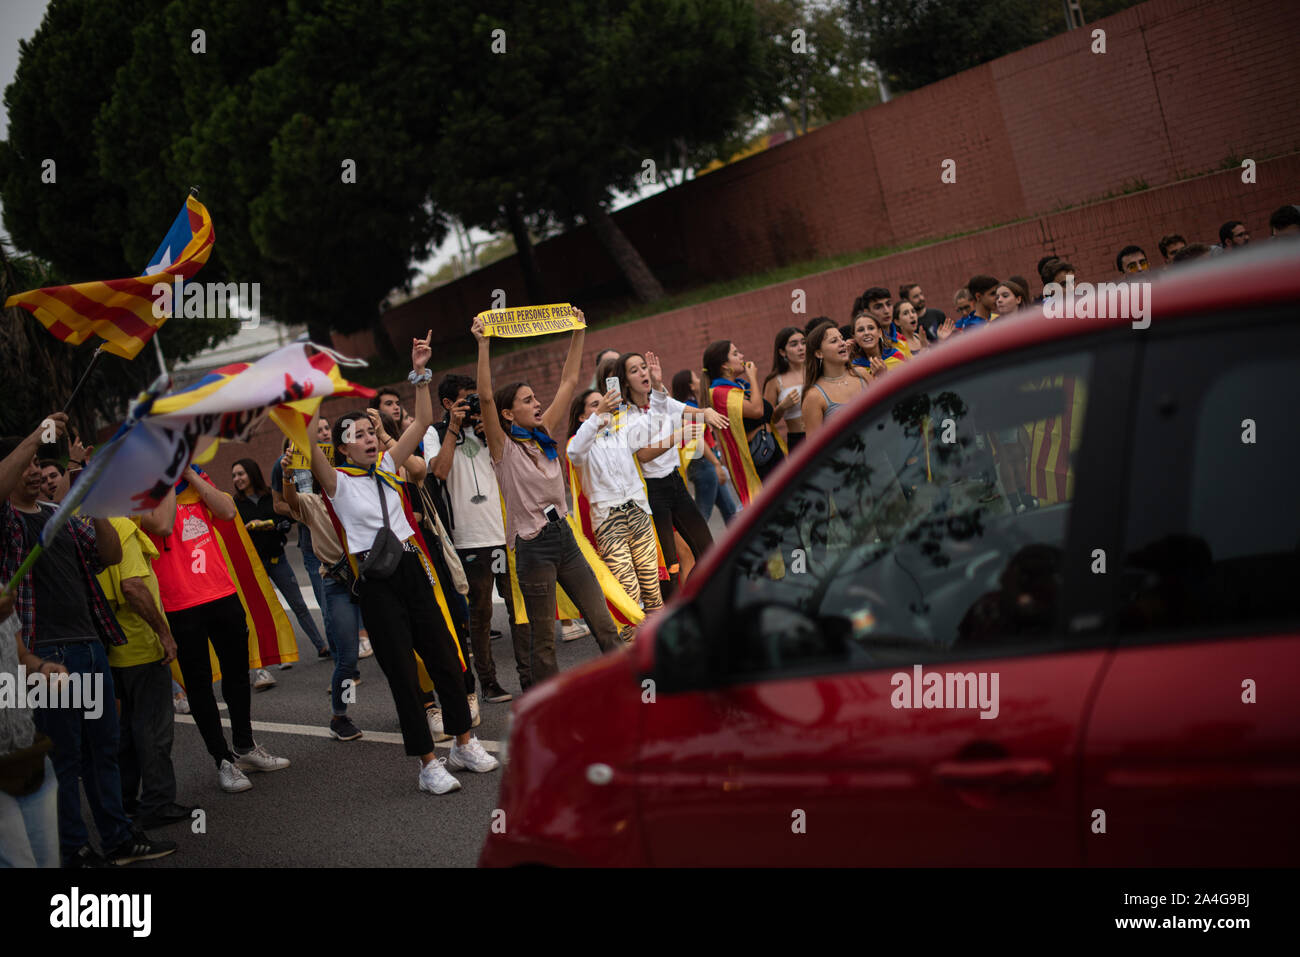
[{"x": 84, "y": 376}]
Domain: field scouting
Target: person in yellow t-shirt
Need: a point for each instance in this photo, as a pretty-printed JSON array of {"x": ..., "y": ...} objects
[{"x": 142, "y": 679}]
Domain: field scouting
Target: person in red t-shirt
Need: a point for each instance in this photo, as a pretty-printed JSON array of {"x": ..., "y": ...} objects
[{"x": 202, "y": 605}]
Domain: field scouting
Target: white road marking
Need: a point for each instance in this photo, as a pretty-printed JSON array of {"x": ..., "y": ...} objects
[{"x": 318, "y": 731}]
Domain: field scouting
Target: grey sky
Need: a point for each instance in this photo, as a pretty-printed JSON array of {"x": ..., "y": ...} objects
[{"x": 18, "y": 21}]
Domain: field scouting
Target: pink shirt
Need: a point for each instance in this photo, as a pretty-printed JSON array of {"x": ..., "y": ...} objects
[{"x": 529, "y": 482}]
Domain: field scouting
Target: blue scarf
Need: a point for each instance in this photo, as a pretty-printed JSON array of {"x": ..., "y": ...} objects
[
  {"x": 541, "y": 438},
  {"x": 692, "y": 403}
]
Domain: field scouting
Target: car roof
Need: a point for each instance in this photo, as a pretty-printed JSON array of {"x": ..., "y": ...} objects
[{"x": 1251, "y": 277}]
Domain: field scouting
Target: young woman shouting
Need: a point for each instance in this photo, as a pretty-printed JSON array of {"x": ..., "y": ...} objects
[
  {"x": 404, "y": 607},
  {"x": 524, "y": 441},
  {"x": 654, "y": 417}
]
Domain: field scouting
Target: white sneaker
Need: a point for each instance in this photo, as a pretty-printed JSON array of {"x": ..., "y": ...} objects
[
  {"x": 366, "y": 651},
  {"x": 232, "y": 779},
  {"x": 574, "y": 632},
  {"x": 434, "y": 777},
  {"x": 259, "y": 759},
  {"x": 262, "y": 679},
  {"x": 475, "y": 718},
  {"x": 435, "y": 725},
  {"x": 181, "y": 703},
  {"x": 471, "y": 757}
]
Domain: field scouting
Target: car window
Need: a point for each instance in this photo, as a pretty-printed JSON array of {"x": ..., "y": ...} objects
[
  {"x": 1212, "y": 534},
  {"x": 934, "y": 527}
]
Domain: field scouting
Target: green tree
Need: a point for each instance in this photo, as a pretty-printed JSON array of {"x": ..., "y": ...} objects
[{"x": 916, "y": 42}]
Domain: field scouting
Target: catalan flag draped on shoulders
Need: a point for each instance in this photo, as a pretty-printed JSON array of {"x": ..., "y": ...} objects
[
  {"x": 121, "y": 311},
  {"x": 727, "y": 396},
  {"x": 442, "y": 591}
]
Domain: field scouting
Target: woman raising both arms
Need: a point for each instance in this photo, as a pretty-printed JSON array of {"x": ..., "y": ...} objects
[
  {"x": 524, "y": 441},
  {"x": 403, "y": 604},
  {"x": 830, "y": 381}
]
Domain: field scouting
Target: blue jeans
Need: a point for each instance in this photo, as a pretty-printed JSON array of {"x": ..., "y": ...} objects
[
  {"x": 281, "y": 573},
  {"x": 312, "y": 564},
  {"x": 343, "y": 625},
  {"x": 86, "y": 749},
  {"x": 29, "y": 826},
  {"x": 708, "y": 490}
]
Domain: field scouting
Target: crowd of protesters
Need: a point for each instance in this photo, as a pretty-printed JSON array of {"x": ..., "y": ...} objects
[{"x": 588, "y": 507}]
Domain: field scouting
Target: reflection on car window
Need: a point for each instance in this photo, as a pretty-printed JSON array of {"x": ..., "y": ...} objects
[
  {"x": 934, "y": 527},
  {"x": 1215, "y": 541}
]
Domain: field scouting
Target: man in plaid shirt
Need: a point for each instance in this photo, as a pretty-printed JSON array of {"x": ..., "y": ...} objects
[{"x": 66, "y": 619}]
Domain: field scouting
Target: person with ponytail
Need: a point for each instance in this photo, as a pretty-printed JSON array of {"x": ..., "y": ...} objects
[
  {"x": 403, "y": 602},
  {"x": 750, "y": 449},
  {"x": 524, "y": 441},
  {"x": 783, "y": 387},
  {"x": 655, "y": 416},
  {"x": 830, "y": 380}
]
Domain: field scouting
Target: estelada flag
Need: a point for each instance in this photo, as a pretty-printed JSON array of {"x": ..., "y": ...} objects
[
  {"x": 186, "y": 425},
  {"x": 270, "y": 634},
  {"x": 121, "y": 311}
]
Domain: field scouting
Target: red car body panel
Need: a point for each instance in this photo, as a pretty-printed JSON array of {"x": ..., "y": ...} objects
[{"x": 718, "y": 777}]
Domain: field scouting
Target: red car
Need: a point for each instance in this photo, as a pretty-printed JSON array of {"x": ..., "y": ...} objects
[{"x": 1034, "y": 599}]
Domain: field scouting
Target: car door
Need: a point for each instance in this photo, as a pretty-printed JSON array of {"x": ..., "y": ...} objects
[
  {"x": 937, "y": 535},
  {"x": 1193, "y": 749}
]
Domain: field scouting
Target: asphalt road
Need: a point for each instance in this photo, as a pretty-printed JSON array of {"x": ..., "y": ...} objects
[
  {"x": 352, "y": 803},
  {"x": 340, "y": 803}
]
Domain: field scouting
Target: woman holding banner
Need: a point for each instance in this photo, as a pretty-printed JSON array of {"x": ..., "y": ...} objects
[
  {"x": 402, "y": 601},
  {"x": 750, "y": 447},
  {"x": 524, "y": 441}
]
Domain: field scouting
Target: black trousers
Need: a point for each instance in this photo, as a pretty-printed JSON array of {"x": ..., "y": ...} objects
[
  {"x": 147, "y": 724},
  {"x": 402, "y": 616},
  {"x": 673, "y": 508},
  {"x": 221, "y": 622}
]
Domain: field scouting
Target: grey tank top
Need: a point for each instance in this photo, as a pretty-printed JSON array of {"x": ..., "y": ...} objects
[{"x": 832, "y": 407}]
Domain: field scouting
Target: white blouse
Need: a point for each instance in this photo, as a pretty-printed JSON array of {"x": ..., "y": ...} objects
[
  {"x": 606, "y": 458},
  {"x": 663, "y": 419}
]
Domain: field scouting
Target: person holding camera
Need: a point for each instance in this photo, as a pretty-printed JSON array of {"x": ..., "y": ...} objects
[
  {"x": 267, "y": 530},
  {"x": 468, "y": 501},
  {"x": 403, "y": 603}
]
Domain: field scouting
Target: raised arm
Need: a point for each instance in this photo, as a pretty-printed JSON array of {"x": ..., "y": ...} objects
[
  {"x": 162, "y": 520},
  {"x": 752, "y": 408},
  {"x": 16, "y": 462},
  {"x": 288, "y": 491},
  {"x": 492, "y": 431},
  {"x": 322, "y": 469},
  {"x": 218, "y": 502},
  {"x": 405, "y": 446},
  {"x": 555, "y": 418}
]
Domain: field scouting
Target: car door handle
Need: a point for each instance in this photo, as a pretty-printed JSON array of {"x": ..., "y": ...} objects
[{"x": 1022, "y": 772}]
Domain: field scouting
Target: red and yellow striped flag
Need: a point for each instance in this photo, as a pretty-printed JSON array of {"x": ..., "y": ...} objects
[{"x": 121, "y": 311}]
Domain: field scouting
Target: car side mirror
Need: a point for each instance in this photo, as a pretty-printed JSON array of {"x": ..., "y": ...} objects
[{"x": 683, "y": 654}]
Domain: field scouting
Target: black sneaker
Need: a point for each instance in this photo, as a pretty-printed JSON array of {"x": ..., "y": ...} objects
[
  {"x": 341, "y": 727},
  {"x": 496, "y": 694},
  {"x": 85, "y": 857},
  {"x": 167, "y": 814},
  {"x": 494, "y": 634},
  {"x": 140, "y": 847}
]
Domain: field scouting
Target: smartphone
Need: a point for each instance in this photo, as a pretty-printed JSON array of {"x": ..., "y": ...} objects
[{"x": 611, "y": 385}]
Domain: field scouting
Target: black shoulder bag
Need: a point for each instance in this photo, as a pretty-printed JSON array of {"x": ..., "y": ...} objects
[{"x": 385, "y": 554}]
